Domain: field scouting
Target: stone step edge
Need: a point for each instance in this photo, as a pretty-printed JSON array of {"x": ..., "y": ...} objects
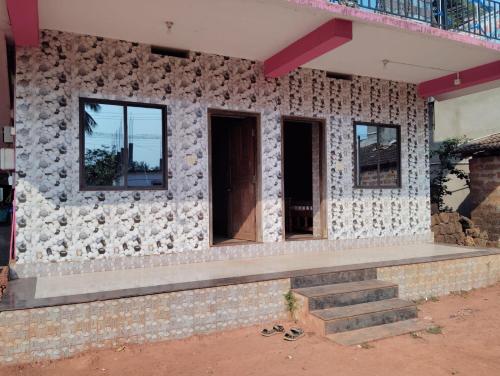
[
  {"x": 369, "y": 334},
  {"x": 387, "y": 285},
  {"x": 409, "y": 305}
]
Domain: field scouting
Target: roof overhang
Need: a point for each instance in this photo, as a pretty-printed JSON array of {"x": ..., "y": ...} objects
[{"x": 382, "y": 46}]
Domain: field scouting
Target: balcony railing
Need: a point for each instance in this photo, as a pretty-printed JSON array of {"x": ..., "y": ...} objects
[{"x": 478, "y": 17}]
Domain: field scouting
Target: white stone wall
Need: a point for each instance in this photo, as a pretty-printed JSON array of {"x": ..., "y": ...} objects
[{"x": 57, "y": 222}]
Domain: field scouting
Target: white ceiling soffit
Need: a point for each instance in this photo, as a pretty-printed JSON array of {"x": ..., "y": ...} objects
[{"x": 256, "y": 29}]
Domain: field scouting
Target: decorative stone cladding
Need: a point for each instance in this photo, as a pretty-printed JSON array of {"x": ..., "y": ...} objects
[
  {"x": 442, "y": 277},
  {"x": 485, "y": 193},
  {"x": 63, "y": 331},
  {"x": 56, "y": 222}
]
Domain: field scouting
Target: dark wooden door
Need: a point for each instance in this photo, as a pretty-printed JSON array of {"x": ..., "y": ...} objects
[{"x": 242, "y": 193}]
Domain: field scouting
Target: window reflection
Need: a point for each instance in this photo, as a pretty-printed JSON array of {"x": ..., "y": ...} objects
[
  {"x": 388, "y": 156},
  {"x": 103, "y": 129},
  {"x": 377, "y": 156},
  {"x": 366, "y": 137},
  {"x": 123, "y": 145},
  {"x": 145, "y": 163}
]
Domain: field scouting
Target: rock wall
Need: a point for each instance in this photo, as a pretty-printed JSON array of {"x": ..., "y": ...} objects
[
  {"x": 485, "y": 193},
  {"x": 4, "y": 279},
  {"x": 57, "y": 222},
  {"x": 455, "y": 229}
]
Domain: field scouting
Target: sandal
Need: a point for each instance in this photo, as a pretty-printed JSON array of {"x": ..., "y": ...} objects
[
  {"x": 274, "y": 330},
  {"x": 293, "y": 334}
]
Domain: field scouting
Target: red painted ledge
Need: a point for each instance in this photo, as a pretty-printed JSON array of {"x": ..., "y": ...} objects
[
  {"x": 23, "y": 15},
  {"x": 328, "y": 36},
  {"x": 469, "y": 77}
]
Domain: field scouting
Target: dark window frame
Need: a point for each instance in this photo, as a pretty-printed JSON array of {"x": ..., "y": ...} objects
[
  {"x": 125, "y": 104},
  {"x": 355, "y": 155}
]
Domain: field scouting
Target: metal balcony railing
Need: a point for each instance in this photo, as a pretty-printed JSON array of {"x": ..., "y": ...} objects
[{"x": 478, "y": 17}]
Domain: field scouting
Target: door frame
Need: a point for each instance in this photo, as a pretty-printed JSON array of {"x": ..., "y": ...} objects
[
  {"x": 321, "y": 122},
  {"x": 258, "y": 184}
]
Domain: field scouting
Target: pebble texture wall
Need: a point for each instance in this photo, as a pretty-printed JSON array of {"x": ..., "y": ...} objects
[{"x": 57, "y": 222}]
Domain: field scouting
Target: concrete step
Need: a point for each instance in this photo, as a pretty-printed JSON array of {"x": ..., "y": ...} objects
[
  {"x": 344, "y": 294},
  {"x": 334, "y": 277},
  {"x": 373, "y": 333},
  {"x": 341, "y": 319}
]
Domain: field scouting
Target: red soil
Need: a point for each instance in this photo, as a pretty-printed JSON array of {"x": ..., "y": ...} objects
[{"x": 469, "y": 345}]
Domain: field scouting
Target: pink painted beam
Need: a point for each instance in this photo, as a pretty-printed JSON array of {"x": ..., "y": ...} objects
[
  {"x": 469, "y": 77},
  {"x": 23, "y": 16},
  {"x": 325, "y": 38}
]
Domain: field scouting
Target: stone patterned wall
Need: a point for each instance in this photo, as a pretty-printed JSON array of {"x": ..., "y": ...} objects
[
  {"x": 442, "y": 277},
  {"x": 63, "y": 331},
  {"x": 56, "y": 222}
]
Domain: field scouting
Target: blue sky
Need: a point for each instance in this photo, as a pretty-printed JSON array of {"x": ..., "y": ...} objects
[{"x": 144, "y": 131}]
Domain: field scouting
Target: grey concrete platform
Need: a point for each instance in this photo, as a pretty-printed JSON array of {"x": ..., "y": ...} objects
[{"x": 78, "y": 288}]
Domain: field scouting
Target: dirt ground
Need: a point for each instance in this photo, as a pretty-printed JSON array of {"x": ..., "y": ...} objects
[{"x": 469, "y": 345}]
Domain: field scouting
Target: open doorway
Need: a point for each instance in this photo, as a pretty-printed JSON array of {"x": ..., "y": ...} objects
[
  {"x": 234, "y": 182},
  {"x": 302, "y": 167}
]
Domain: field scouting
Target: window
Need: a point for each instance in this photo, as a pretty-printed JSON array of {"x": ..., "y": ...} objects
[
  {"x": 122, "y": 145},
  {"x": 377, "y": 156}
]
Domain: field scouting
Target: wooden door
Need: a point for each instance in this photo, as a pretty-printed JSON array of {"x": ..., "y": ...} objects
[{"x": 242, "y": 195}]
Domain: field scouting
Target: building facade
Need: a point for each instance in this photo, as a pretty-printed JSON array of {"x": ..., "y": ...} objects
[{"x": 59, "y": 223}]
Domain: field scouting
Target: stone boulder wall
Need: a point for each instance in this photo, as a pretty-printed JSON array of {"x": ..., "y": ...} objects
[{"x": 452, "y": 228}]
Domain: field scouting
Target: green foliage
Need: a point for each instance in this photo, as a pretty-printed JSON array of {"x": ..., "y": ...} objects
[
  {"x": 446, "y": 154},
  {"x": 102, "y": 166},
  {"x": 89, "y": 122},
  {"x": 435, "y": 330},
  {"x": 292, "y": 305}
]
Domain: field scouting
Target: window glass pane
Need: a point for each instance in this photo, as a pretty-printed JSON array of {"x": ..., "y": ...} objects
[
  {"x": 145, "y": 147},
  {"x": 389, "y": 157},
  {"x": 366, "y": 146},
  {"x": 103, "y": 128}
]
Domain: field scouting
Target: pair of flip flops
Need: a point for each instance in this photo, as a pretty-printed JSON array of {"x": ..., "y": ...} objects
[{"x": 292, "y": 335}]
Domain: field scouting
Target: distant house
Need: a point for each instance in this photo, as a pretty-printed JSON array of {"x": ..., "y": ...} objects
[
  {"x": 473, "y": 116},
  {"x": 484, "y": 168}
]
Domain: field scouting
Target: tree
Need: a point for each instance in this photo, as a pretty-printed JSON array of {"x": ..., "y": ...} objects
[
  {"x": 88, "y": 121},
  {"x": 102, "y": 166},
  {"x": 448, "y": 159}
]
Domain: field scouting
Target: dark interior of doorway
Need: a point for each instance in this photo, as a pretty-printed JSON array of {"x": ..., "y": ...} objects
[
  {"x": 232, "y": 205},
  {"x": 298, "y": 179}
]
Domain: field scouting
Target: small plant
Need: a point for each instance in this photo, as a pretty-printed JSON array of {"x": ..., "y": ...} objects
[
  {"x": 425, "y": 300},
  {"x": 462, "y": 293},
  {"x": 435, "y": 330},
  {"x": 292, "y": 304},
  {"x": 366, "y": 346}
]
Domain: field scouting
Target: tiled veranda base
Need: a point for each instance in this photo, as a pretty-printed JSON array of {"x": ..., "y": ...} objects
[
  {"x": 440, "y": 278},
  {"x": 62, "y": 331}
]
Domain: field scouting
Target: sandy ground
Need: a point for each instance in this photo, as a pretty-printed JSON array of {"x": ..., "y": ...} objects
[{"x": 469, "y": 345}]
